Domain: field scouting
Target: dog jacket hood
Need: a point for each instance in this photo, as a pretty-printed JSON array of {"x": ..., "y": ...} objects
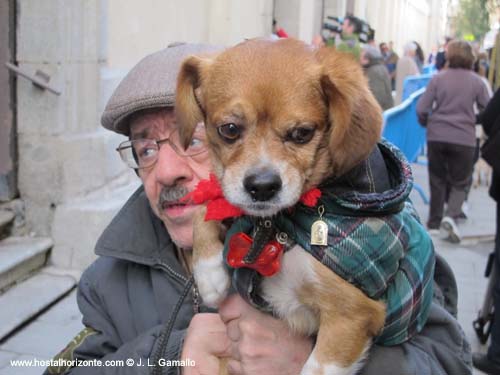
[{"x": 375, "y": 241}]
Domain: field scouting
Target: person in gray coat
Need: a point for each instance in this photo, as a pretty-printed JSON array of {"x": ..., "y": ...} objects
[
  {"x": 378, "y": 77},
  {"x": 446, "y": 109},
  {"x": 129, "y": 295}
]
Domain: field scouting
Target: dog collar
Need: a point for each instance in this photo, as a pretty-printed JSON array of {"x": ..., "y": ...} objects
[{"x": 262, "y": 253}]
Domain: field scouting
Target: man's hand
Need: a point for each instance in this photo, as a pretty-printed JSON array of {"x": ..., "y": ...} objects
[
  {"x": 259, "y": 343},
  {"x": 205, "y": 343}
]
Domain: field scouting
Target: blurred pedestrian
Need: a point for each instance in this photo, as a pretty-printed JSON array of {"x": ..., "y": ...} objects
[
  {"x": 419, "y": 57},
  {"x": 482, "y": 66},
  {"x": 348, "y": 40},
  {"x": 447, "y": 109},
  {"x": 441, "y": 55},
  {"x": 390, "y": 60},
  {"x": 378, "y": 76},
  {"x": 405, "y": 67},
  {"x": 431, "y": 59},
  {"x": 318, "y": 41},
  {"x": 490, "y": 363},
  {"x": 278, "y": 31}
]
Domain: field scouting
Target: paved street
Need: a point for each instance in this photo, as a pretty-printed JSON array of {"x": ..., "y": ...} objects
[{"x": 49, "y": 333}]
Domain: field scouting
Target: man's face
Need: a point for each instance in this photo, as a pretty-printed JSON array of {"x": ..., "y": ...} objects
[
  {"x": 172, "y": 176},
  {"x": 363, "y": 59},
  {"x": 347, "y": 27}
]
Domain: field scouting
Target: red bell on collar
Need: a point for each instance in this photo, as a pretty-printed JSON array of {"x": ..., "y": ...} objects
[{"x": 267, "y": 263}]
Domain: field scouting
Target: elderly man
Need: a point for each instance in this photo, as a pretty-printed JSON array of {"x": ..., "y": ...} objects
[
  {"x": 378, "y": 77},
  {"x": 405, "y": 67},
  {"x": 390, "y": 60},
  {"x": 129, "y": 294}
]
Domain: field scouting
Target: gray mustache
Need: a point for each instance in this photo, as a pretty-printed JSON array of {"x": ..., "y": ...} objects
[{"x": 171, "y": 194}]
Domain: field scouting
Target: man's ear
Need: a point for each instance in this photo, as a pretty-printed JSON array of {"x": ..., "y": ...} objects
[
  {"x": 189, "y": 100},
  {"x": 355, "y": 117}
]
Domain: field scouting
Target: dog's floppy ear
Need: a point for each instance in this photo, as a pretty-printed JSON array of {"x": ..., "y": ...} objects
[
  {"x": 189, "y": 99},
  {"x": 355, "y": 116}
]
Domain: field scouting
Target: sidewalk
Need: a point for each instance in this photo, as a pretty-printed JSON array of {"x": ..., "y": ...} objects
[
  {"x": 42, "y": 338},
  {"x": 48, "y": 334}
]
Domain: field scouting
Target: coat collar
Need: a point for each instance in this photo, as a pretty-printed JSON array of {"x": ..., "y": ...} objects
[
  {"x": 136, "y": 234},
  {"x": 377, "y": 186}
]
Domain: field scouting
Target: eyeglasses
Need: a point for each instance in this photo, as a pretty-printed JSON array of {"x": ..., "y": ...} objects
[{"x": 143, "y": 153}]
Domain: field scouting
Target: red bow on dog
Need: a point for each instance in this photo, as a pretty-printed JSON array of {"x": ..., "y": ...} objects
[{"x": 267, "y": 263}]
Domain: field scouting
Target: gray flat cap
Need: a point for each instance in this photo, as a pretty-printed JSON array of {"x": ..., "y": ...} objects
[{"x": 150, "y": 84}]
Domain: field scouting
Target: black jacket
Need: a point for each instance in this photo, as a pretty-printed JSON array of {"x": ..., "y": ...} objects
[{"x": 490, "y": 119}]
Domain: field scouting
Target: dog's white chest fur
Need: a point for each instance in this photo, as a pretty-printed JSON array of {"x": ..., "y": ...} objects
[{"x": 282, "y": 291}]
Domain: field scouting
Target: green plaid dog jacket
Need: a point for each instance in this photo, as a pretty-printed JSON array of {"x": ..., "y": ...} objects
[{"x": 375, "y": 241}]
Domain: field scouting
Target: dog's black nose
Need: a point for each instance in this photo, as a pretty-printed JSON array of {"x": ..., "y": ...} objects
[{"x": 262, "y": 185}]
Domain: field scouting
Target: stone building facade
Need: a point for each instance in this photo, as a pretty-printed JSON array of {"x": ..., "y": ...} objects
[{"x": 69, "y": 177}]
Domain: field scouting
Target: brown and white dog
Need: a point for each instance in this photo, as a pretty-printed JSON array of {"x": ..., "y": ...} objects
[
  {"x": 482, "y": 173},
  {"x": 280, "y": 118}
]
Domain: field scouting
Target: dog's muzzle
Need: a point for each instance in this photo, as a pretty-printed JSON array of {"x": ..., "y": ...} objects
[{"x": 262, "y": 185}]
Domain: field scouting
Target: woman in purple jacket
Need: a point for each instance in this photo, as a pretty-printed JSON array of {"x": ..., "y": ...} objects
[{"x": 447, "y": 110}]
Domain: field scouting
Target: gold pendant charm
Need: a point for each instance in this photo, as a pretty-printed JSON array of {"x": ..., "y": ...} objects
[{"x": 319, "y": 230}]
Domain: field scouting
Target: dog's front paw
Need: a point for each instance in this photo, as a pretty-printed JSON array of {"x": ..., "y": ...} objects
[
  {"x": 212, "y": 279},
  {"x": 312, "y": 366}
]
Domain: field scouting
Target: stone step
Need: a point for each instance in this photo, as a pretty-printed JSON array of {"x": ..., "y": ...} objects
[
  {"x": 20, "y": 257},
  {"x": 31, "y": 297},
  {"x": 6, "y": 220}
]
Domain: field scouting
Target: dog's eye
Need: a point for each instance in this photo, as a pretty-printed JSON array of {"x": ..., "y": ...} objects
[
  {"x": 300, "y": 135},
  {"x": 229, "y": 132}
]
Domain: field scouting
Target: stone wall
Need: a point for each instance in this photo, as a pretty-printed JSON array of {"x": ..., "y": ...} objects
[
  {"x": 64, "y": 155},
  {"x": 70, "y": 177},
  {"x": 137, "y": 28}
]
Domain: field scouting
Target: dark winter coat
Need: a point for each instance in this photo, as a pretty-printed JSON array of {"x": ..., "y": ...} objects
[
  {"x": 380, "y": 83},
  {"x": 127, "y": 296},
  {"x": 490, "y": 119}
]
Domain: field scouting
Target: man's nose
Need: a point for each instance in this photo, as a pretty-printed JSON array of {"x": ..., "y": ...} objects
[{"x": 170, "y": 168}]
